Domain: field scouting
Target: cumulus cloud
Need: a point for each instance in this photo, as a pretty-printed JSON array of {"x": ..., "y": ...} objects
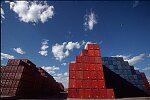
[
  {"x": 90, "y": 20},
  {"x": 72, "y": 45},
  {"x": 2, "y": 14},
  {"x": 125, "y": 57},
  {"x": 58, "y": 51},
  {"x": 148, "y": 56},
  {"x": 146, "y": 69},
  {"x": 61, "y": 51},
  {"x": 132, "y": 60},
  {"x": 6, "y": 56},
  {"x": 44, "y": 47},
  {"x": 32, "y": 11},
  {"x": 64, "y": 64},
  {"x": 51, "y": 70},
  {"x": 59, "y": 77},
  {"x": 63, "y": 78},
  {"x": 136, "y": 68},
  {"x": 135, "y": 3},
  {"x": 136, "y": 59},
  {"x": 19, "y": 50}
]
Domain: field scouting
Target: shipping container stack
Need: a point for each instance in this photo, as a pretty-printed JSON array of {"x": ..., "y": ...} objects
[
  {"x": 124, "y": 70},
  {"x": 145, "y": 81},
  {"x": 20, "y": 77},
  {"x": 86, "y": 77},
  {"x": 49, "y": 84}
]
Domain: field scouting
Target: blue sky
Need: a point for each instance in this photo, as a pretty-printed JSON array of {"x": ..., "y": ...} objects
[{"x": 54, "y": 38}]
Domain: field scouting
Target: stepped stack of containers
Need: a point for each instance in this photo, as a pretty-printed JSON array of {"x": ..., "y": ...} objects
[
  {"x": 127, "y": 72},
  {"x": 22, "y": 78},
  {"x": 86, "y": 77},
  {"x": 146, "y": 83}
]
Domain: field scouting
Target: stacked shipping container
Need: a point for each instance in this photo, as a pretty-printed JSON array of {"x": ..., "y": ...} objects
[
  {"x": 22, "y": 78},
  {"x": 127, "y": 72},
  {"x": 146, "y": 83},
  {"x": 86, "y": 77}
]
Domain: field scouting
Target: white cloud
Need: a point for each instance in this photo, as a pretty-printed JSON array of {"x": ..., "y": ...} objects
[
  {"x": 44, "y": 47},
  {"x": 32, "y": 11},
  {"x": 136, "y": 68},
  {"x": 90, "y": 20},
  {"x": 135, "y": 3},
  {"x": 125, "y": 57},
  {"x": 51, "y": 70},
  {"x": 19, "y": 50},
  {"x": 146, "y": 69},
  {"x": 6, "y": 56},
  {"x": 61, "y": 51},
  {"x": 72, "y": 45},
  {"x": 2, "y": 14},
  {"x": 136, "y": 59},
  {"x": 58, "y": 51},
  {"x": 64, "y": 64},
  {"x": 132, "y": 60},
  {"x": 148, "y": 56},
  {"x": 43, "y": 53},
  {"x": 63, "y": 78}
]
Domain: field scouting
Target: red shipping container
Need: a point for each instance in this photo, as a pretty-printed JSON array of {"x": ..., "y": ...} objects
[
  {"x": 90, "y": 46},
  {"x": 91, "y": 59},
  {"x": 72, "y": 83},
  {"x": 91, "y": 52},
  {"x": 93, "y": 75},
  {"x": 85, "y": 59},
  {"x": 72, "y": 93},
  {"x": 78, "y": 58},
  {"x": 99, "y": 67},
  {"x": 72, "y": 66},
  {"x": 98, "y": 60},
  {"x": 103, "y": 93},
  {"x": 96, "y": 47},
  {"x": 84, "y": 53},
  {"x": 79, "y": 74},
  {"x": 81, "y": 93},
  {"x": 79, "y": 84},
  {"x": 79, "y": 66},
  {"x": 86, "y": 66},
  {"x": 110, "y": 93},
  {"x": 101, "y": 84},
  {"x": 86, "y": 75},
  {"x": 93, "y": 66},
  {"x": 72, "y": 74},
  {"x": 87, "y": 83},
  {"x": 95, "y": 93},
  {"x": 20, "y": 69},
  {"x": 100, "y": 75},
  {"x": 96, "y": 53},
  {"x": 88, "y": 93},
  {"x": 95, "y": 84}
]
